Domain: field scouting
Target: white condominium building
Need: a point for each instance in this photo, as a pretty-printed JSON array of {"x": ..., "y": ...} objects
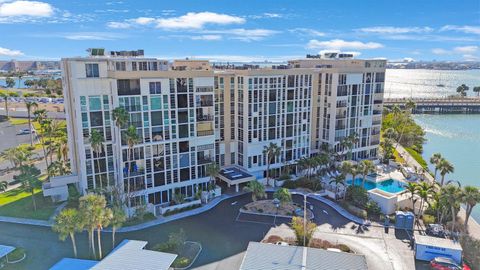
[{"x": 188, "y": 114}]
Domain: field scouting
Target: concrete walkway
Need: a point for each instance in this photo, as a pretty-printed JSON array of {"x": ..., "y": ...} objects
[{"x": 26, "y": 221}]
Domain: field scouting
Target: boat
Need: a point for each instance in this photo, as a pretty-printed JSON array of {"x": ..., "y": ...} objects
[{"x": 440, "y": 85}]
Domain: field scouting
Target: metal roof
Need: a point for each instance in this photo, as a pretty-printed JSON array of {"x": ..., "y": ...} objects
[
  {"x": 73, "y": 264},
  {"x": 262, "y": 256},
  {"x": 4, "y": 250},
  {"x": 437, "y": 242},
  {"x": 131, "y": 255}
]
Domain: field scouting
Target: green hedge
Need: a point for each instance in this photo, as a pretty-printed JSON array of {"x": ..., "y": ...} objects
[{"x": 417, "y": 157}]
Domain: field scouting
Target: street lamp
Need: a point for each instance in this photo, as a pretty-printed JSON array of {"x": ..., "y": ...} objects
[{"x": 305, "y": 215}]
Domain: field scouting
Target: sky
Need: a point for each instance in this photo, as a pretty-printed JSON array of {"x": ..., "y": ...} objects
[{"x": 242, "y": 30}]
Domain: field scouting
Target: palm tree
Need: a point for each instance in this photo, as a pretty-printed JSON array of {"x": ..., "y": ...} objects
[
  {"x": 67, "y": 223},
  {"x": 424, "y": 191},
  {"x": 120, "y": 117},
  {"x": 452, "y": 196},
  {"x": 212, "y": 170},
  {"x": 435, "y": 160},
  {"x": 338, "y": 180},
  {"x": 476, "y": 89},
  {"x": 91, "y": 208},
  {"x": 118, "y": 218},
  {"x": 462, "y": 90},
  {"x": 257, "y": 189},
  {"x": 3, "y": 186},
  {"x": 471, "y": 196},
  {"x": 97, "y": 141},
  {"x": 366, "y": 167},
  {"x": 28, "y": 177},
  {"x": 412, "y": 188},
  {"x": 346, "y": 168},
  {"x": 30, "y": 105},
  {"x": 132, "y": 138},
  {"x": 445, "y": 167},
  {"x": 103, "y": 219},
  {"x": 271, "y": 152},
  {"x": 283, "y": 195},
  {"x": 349, "y": 142},
  {"x": 41, "y": 118},
  {"x": 5, "y": 96}
]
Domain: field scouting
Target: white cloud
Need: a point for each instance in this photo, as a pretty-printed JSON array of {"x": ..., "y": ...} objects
[
  {"x": 26, "y": 8},
  {"x": 91, "y": 36},
  {"x": 468, "y": 29},
  {"x": 206, "y": 37},
  {"x": 245, "y": 58},
  {"x": 119, "y": 25},
  {"x": 243, "y": 34},
  {"x": 144, "y": 20},
  {"x": 339, "y": 44},
  {"x": 9, "y": 52},
  {"x": 193, "y": 20},
  {"x": 307, "y": 32},
  {"x": 466, "y": 49},
  {"x": 272, "y": 15},
  {"x": 471, "y": 57},
  {"x": 395, "y": 30},
  {"x": 439, "y": 51}
]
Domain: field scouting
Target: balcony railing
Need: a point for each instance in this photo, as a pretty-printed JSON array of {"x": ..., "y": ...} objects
[
  {"x": 205, "y": 133},
  {"x": 375, "y": 142},
  {"x": 205, "y": 118},
  {"x": 376, "y": 123},
  {"x": 204, "y": 160},
  {"x": 206, "y": 103},
  {"x": 204, "y": 89},
  {"x": 377, "y": 112}
]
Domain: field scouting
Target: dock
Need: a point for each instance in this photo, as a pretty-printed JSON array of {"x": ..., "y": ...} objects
[{"x": 466, "y": 105}]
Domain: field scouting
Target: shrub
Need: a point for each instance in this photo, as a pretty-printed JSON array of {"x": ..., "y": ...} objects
[
  {"x": 303, "y": 182},
  {"x": 284, "y": 177},
  {"x": 417, "y": 157},
  {"x": 357, "y": 195},
  {"x": 372, "y": 208},
  {"x": 428, "y": 219},
  {"x": 181, "y": 262},
  {"x": 344, "y": 248}
]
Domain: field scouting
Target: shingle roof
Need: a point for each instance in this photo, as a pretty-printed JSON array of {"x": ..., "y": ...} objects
[{"x": 261, "y": 256}]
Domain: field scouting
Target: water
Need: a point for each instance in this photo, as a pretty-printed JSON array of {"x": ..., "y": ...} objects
[
  {"x": 21, "y": 83},
  {"x": 422, "y": 83},
  {"x": 390, "y": 185},
  {"x": 457, "y": 138}
]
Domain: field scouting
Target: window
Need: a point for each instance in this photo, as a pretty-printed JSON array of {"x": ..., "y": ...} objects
[
  {"x": 128, "y": 87},
  {"x": 92, "y": 70},
  {"x": 155, "y": 88}
]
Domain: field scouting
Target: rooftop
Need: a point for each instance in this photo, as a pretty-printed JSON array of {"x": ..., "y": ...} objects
[
  {"x": 261, "y": 256},
  {"x": 233, "y": 173},
  {"x": 437, "y": 242}
]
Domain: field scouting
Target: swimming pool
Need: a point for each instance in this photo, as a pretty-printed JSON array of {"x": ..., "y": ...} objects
[{"x": 389, "y": 185}]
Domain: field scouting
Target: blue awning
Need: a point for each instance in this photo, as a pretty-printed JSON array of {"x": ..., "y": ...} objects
[{"x": 73, "y": 264}]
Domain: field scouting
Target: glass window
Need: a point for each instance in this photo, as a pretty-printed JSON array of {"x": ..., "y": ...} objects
[
  {"x": 94, "y": 103},
  {"x": 156, "y": 103},
  {"x": 155, "y": 88},
  {"x": 92, "y": 70}
]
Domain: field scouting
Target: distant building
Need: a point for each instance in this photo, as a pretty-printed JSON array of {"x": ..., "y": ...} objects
[
  {"x": 260, "y": 256},
  {"x": 24, "y": 66}
]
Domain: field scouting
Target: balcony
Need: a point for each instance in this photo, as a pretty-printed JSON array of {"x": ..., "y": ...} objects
[
  {"x": 377, "y": 112},
  {"x": 377, "y": 101},
  {"x": 204, "y": 89},
  {"x": 205, "y": 103},
  {"x": 339, "y": 127},
  {"x": 376, "y": 142},
  {"x": 201, "y": 118},
  {"x": 204, "y": 160},
  {"x": 204, "y": 133},
  {"x": 377, "y": 122}
]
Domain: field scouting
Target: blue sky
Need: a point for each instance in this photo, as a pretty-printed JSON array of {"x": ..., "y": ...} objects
[{"x": 242, "y": 30}]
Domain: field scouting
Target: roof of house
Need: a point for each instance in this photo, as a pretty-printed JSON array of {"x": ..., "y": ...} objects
[
  {"x": 262, "y": 256},
  {"x": 129, "y": 254},
  {"x": 437, "y": 242},
  {"x": 73, "y": 264},
  {"x": 4, "y": 250}
]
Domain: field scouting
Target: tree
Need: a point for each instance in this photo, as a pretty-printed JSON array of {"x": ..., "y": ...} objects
[
  {"x": 303, "y": 229},
  {"x": 10, "y": 82},
  {"x": 445, "y": 167},
  {"x": 97, "y": 141},
  {"x": 120, "y": 117},
  {"x": 349, "y": 142},
  {"x": 30, "y": 105},
  {"x": 476, "y": 89},
  {"x": 118, "y": 218},
  {"x": 132, "y": 138},
  {"x": 471, "y": 196},
  {"x": 257, "y": 189},
  {"x": 346, "y": 168},
  {"x": 452, "y": 196},
  {"x": 5, "y": 96},
  {"x": 91, "y": 208},
  {"x": 462, "y": 90},
  {"x": 28, "y": 178},
  {"x": 412, "y": 189},
  {"x": 67, "y": 223},
  {"x": 41, "y": 117},
  {"x": 213, "y": 170},
  {"x": 435, "y": 160},
  {"x": 424, "y": 191},
  {"x": 103, "y": 218},
  {"x": 17, "y": 155},
  {"x": 3, "y": 186},
  {"x": 338, "y": 180},
  {"x": 283, "y": 195},
  {"x": 271, "y": 152},
  {"x": 366, "y": 167},
  {"x": 28, "y": 83}
]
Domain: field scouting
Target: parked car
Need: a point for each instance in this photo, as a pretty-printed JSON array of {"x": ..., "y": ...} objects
[
  {"x": 443, "y": 263},
  {"x": 25, "y": 131}
]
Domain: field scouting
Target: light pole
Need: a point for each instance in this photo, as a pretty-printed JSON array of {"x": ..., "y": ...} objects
[{"x": 305, "y": 215}]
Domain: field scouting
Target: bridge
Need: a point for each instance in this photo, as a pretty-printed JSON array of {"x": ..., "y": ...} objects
[{"x": 438, "y": 105}]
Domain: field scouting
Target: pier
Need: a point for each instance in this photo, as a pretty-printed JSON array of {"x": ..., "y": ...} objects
[{"x": 470, "y": 105}]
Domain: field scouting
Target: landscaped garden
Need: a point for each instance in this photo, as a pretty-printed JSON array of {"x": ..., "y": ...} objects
[
  {"x": 177, "y": 243},
  {"x": 18, "y": 203}
]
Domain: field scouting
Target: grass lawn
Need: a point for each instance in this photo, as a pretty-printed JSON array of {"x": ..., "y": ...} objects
[
  {"x": 18, "y": 203},
  {"x": 18, "y": 121}
]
